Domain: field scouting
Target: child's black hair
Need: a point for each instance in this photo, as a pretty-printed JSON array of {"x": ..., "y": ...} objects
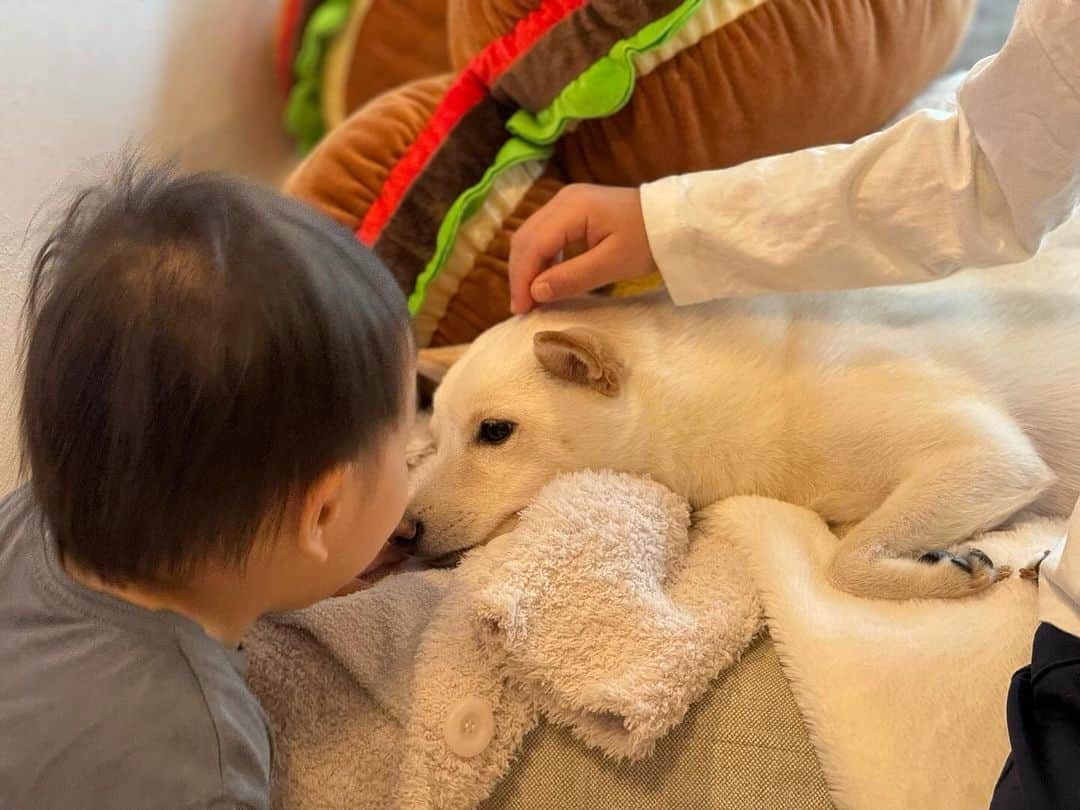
[{"x": 199, "y": 351}]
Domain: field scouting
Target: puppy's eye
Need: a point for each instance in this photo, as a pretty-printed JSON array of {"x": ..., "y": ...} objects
[{"x": 495, "y": 431}]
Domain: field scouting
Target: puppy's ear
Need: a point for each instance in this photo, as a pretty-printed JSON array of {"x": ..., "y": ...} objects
[
  {"x": 432, "y": 364},
  {"x": 580, "y": 356},
  {"x": 431, "y": 367}
]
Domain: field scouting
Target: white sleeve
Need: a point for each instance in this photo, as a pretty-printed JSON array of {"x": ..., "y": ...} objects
[
  {"x": 1059, "y": 581},
  {"x": 935, "y": 192}
]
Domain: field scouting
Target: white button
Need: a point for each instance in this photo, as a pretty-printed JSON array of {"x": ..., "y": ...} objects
[{"x": 469, "y": 727}]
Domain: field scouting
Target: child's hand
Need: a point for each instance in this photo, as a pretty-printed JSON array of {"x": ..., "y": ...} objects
[{"x": 606, "y": 219}]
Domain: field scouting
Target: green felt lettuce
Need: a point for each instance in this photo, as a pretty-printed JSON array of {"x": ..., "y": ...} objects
[
  {"x": 303, "y": 110},
  {"x": 604, "y": 87},
  {"x": 513, "y": 152}
]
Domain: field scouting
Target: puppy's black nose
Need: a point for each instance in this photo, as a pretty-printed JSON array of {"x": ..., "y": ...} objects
[{"x": 407, "y": 535}]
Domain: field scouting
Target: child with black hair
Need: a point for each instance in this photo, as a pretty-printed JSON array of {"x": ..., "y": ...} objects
[{"x": 218, "y": 389}]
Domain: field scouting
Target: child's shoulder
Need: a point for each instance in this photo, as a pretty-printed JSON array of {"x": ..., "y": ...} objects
[
  {"x": 18, "y": 518},
  {"x": 137, "y": 703}
]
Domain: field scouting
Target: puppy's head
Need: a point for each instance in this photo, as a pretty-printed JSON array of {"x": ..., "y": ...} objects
[{"x": 530, "y": 399}]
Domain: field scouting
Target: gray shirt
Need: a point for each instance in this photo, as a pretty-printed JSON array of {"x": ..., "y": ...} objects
[{"x": 107, "y": 705}]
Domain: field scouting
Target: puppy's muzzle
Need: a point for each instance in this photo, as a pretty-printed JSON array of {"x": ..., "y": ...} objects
[{"x": 408, "y": 535}]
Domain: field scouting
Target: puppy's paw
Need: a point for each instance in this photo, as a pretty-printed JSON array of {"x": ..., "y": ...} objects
[
  {"x": 1030, "y": 571},
  {"x": 975, "y": 568}
]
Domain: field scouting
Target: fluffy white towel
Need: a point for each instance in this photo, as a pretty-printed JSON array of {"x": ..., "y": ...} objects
[{"x": 606, "y": 616}]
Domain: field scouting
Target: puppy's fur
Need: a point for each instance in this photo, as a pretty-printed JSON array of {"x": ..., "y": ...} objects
[{"x": 913, "y": 417}]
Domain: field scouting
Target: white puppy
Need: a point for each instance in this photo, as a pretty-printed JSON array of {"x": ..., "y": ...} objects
[{"x": 914, "y": 417}]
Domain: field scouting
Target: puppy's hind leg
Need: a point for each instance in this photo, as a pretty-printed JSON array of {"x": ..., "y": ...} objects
[{"x": 956, "y": 491}]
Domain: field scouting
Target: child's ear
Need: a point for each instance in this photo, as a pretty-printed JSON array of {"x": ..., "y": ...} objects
[{"x": 322, "y": 502}]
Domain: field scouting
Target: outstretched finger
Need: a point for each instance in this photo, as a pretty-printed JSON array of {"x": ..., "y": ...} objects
[
  {"x": 537, "y": 244},
  {"x": 577, "y": 276}
]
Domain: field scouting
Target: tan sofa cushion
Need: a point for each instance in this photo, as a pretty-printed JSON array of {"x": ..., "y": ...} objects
[{"x": 742, "y": 746}]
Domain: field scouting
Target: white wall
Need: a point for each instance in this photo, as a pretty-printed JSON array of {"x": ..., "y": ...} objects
[{"x": 79, "y": 79}]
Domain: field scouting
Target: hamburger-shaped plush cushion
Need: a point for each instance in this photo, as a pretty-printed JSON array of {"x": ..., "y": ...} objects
[
  {"x": 333, "y": 55},
  {"x": 435, "y": 176},
  {"x": 742, "y": 79},
  {"x": 351, "y": 171}
]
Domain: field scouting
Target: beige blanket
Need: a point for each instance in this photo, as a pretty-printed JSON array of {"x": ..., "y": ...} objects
[{"x": 604, "y": 611}]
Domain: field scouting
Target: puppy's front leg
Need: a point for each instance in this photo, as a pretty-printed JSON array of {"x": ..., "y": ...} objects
[{"x": 959, "y": 488}]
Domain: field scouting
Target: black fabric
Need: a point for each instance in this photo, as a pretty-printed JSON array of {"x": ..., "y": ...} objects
[{"x": 1043, "y": 770}]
